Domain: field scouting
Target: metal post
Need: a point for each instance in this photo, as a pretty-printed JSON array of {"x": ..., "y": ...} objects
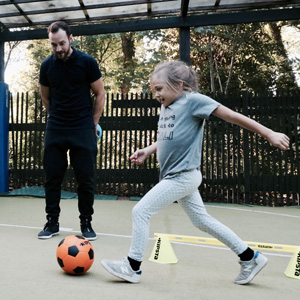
[
  {"x": 246, "y": 152},
  {"x": 4, "y": 128},
  {"x": 185, "y": 45},
  {"x": 1, "y": 61}
]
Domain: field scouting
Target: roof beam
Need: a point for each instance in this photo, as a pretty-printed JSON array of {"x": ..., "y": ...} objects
[
  {"x": 85, "y": 8},
  {"x": 21, "y": 12},
  {"x": 245, "y": 5},
  {"x": 81, "y": 6},
  {"x": 184, "y": 7},
  {"x": 163, "y": 23},
  {"x": 6, "y": 2},
  {"x": 217, "y": 3}
]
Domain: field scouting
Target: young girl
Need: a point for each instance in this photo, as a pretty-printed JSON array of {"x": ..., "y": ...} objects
[{"x": 178, "y": 147}]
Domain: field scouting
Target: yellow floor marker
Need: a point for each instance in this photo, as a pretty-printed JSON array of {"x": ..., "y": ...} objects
[
  {"x": 293, "y": 268},
  {"x": 163, "y": 252}
]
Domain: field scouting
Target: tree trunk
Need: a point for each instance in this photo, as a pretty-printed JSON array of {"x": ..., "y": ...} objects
[
  {"x": 234, "y": 45},
  {"x": 128, "y": 63},
  {"x": 211, "y": 68},
  {"x": 282, "y": 54}
]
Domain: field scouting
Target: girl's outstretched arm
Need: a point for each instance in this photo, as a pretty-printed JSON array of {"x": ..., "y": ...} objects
[
  {"x": 140, "y": 155},
  {"x": 277, "y": 139}
]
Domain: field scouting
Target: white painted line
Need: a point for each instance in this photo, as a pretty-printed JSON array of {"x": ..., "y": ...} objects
[
  {"x": 255, "y": 211},
  {"x": 65, "y": 229},
  {"x": 31, "y": 227}
]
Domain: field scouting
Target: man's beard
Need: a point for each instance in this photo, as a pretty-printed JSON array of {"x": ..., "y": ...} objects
[{"x": 63, "y": 55}]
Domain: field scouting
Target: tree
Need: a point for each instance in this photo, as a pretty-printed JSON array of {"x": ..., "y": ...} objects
[
  {"x": 227, "y": 58},
  {"x": 285, "y": 74},
  {"x": 128, "y": 48},
  {"x": 11, "y": 46},
  {"x": 236, "y": 57}
]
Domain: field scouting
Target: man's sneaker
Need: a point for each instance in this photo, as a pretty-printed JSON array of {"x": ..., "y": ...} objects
[
  {"x": 51, "y": 228},
  {"x": 87, "y": 230},
  {"x": 249, "y": 269},
  {"x": 122, "y": 269}
]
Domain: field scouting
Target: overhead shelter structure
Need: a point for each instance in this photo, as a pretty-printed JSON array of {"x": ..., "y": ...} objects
[{"x": 28, "y": 20}]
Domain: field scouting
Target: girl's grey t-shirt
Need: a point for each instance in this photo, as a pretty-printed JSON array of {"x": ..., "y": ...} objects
[{"x": 180, "y": 133}]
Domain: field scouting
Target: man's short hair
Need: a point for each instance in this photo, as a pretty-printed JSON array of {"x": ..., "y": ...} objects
[{"x": 55, "y": 26}]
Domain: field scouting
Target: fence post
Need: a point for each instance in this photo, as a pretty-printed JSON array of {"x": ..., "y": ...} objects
[
  {"x": 246, "y": 151},
  {"x": 4, "y": 128}
]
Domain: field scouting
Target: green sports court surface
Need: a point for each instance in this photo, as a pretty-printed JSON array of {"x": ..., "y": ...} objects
[{"x": 29, "y": 269}]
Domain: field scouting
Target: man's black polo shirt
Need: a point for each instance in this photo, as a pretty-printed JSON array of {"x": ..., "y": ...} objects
[{"x": 71, "y": 106}]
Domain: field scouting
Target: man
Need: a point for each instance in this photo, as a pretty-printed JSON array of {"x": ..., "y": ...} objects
[{"x": 66, "y": 80}]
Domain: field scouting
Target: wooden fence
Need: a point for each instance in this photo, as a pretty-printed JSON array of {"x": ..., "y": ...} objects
[{"x": 238, "y": 166}]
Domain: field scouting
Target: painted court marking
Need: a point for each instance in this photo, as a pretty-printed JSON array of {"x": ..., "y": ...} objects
[
  {"x": 70, "y": 230},
  {"x": 255, "y": 211},
  {"x": 65, "y": 229}
]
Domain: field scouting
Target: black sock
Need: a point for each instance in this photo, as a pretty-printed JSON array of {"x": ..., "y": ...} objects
[
  {"x": 135, "y": 265},
  {"x": 248, "y": 254}
]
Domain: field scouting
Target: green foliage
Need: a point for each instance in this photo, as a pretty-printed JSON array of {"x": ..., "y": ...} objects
[
  {"x": 107, "y": 50},
  {"x": 256, "y": 66},
  {"x": 259, "y": 63}
]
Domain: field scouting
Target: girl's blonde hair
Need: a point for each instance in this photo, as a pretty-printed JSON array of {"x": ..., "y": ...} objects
[{"x": 172, "y": 72}]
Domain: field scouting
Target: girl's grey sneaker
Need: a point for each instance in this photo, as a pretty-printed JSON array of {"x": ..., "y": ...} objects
[
  {"x": 249, "y": 269},
  {"x": 122, "y": 269}
]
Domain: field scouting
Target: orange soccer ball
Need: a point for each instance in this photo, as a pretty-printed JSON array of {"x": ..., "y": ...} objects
[{"x": 75, "y": 254}]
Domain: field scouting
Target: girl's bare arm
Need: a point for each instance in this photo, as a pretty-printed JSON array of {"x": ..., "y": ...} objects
[{"x": 277, "y": 139}]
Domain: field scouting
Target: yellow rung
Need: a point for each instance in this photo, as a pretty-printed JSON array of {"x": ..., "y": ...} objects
[{"x": 215, "y": 242}]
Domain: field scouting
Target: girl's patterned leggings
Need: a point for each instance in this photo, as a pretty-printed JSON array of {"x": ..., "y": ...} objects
[{"x": 183, "y": 188}]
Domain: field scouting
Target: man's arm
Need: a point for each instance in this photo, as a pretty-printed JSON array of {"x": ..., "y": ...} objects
[
  {"x": 99, "y": 92},
  {"x": 45, "y": 94}
]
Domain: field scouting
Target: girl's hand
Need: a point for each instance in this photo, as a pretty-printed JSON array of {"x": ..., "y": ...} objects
[
  {"x": 138, "y": 156},
  {"x": 279, "y": 140}
]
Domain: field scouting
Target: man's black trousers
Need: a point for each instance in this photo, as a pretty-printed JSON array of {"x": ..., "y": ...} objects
[{"x": 81, "y": 148}]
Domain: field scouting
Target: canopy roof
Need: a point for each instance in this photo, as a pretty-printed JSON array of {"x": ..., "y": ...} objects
[
  {"x": 28, "y": 19},
  {"x": 35, "y": 14}
]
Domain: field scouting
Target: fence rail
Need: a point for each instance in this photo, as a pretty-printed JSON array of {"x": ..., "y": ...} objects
[{"x": 238, "y": 166}]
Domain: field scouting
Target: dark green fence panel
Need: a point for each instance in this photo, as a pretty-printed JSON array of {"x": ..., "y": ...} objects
[{"x": 238, "y": 166}]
